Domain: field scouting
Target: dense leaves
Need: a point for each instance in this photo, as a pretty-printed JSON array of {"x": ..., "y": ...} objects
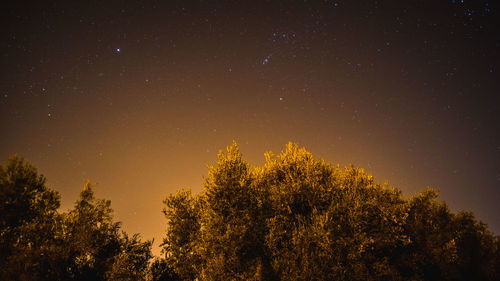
[
  {"x": 293, "y": 218},
  {"x": 299, "y": 218},
  {"x": 39, "y": 243},
  {"x": 28, "y": 223}
]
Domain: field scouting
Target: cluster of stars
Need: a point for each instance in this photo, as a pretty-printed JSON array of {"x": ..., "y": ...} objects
[{"x": 266, "y": 59}]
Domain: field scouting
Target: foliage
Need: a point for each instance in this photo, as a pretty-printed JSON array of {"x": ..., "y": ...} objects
[
  {"x": 28, "y": 222},
  {"x": 39, "y": 243},
  {"x": 161, "y": 271},
  {"x": 132, "y": 261},
  {"x": 98, "y": 250},
  {"x": 294, "y": 218},
  {"x": 299, "y": 218}
]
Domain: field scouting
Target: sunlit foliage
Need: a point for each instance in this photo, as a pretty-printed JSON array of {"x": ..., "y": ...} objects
[
  {"x": 28, "y": 223},
  {"x": 299, "y": 218},
  {"x": 294, "y": 218}
]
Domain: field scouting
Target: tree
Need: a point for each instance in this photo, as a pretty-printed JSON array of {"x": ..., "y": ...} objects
[
  {"x": 39, "y": 243},
  {"x": 299, "y": 218},
  {"x": 233, "y": 222},
  {"x": 28, "y": 223},
  {"x": 445, "y": 246},
  {"x": 96, "y": 248},
  {"x": 161, "y": 271},
  {"x": 181, "y": 242},
  {"x": 132, "y": 261},
  {"x": 221, "y": 234}
]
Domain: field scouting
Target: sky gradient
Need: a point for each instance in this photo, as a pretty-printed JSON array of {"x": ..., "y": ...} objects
[{"x": 138, "y": 96}]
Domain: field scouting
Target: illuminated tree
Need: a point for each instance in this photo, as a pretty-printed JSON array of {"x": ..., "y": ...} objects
[
  {"x": 131, "y": 263},
  {"x": 329, "y": 223},
  {"x": 233, "y": 222},
  {"x": 299, "y": 218},
  {"x": 96, "y": 248},
  {"x": 181, "y": 243},
  {"x": 221, "y": 234},
  {"x": 28, "y": 223}
]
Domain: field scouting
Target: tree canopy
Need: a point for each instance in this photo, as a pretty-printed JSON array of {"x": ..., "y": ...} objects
[
  {"x": 39, "y": 243},
  {"x": 295, "y": 217},
  {"x": 300, "y": 218}
]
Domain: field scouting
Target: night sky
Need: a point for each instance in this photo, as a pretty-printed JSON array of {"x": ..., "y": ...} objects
[{"x": 139, "y": 96}]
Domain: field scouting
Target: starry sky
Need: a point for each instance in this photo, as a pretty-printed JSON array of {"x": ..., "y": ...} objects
[{"x": 138, "y": 96}]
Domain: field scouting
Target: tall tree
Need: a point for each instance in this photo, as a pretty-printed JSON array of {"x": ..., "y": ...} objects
[
  {"x": 299, "y": 218},
  {"x": 181, "y": 242},
  {"x": 97, "y": 250},
  {"x": 233, "y": 228},
  {"x": 220, "y": 234},
  {"x": 38, "y": 243},
  {"x": 28, "y": 223}
]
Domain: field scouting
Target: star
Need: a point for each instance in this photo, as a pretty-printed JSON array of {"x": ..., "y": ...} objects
[{"x": 266, "y": 59}]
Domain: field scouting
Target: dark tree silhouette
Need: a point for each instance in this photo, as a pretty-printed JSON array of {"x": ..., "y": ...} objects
[
  {"x": 38, "y": 243},
  {"x": 161, "y": 271}
]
